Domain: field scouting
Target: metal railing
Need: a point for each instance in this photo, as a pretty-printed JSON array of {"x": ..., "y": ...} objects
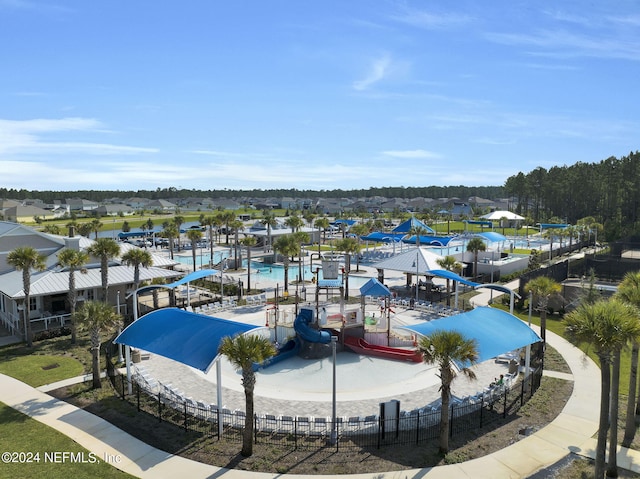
[{"x": 472, "y": 413}]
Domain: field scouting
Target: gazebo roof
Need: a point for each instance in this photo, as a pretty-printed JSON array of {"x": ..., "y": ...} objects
[{"x": 418, "y": 260}]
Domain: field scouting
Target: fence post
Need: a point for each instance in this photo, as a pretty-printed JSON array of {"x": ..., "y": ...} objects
[
  {"x": 159, "y": 406},
  {"x": 137, "y": 396},
  {"x": 186, "y": 424},
  {"x": 451, "y": 421},
  {"x": 522, "y": 394},
  {"x": 418, "y": 428},
  {"x": 255, "y": 428},
  {"x": 481, "y": 410},
  {"x": 295, "y": 433},
  {"x": 504, "y": 405}
]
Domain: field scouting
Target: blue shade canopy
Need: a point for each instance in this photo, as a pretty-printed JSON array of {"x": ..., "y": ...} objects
[
  {"x": 373, "y": 287},
  {"x": 202, "y": 273},
  {"x": 498, "y": 287},
  {"x": 491, "y": 236},
  {"x": 191, "y": 339},
  {"x": 545, "y": 226},
  {"x": 411, "y": 223},
  {"x": 383, "y": 237},
  {"x": 443, "y": 273},
  {"x": 496, "y": 331},
  {"x": 481, "y": 223},
  {"x": 429, "y": 240}
]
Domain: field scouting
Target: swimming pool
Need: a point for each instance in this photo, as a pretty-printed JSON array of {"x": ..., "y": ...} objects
[
  {"x": 268, "y": 272},
  {"x": 276, "y": 273}
]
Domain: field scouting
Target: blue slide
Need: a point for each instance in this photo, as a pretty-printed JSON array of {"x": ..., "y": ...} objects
[
  {"x": 289, "y": 350},
  {"x": 306, "y": 332}
]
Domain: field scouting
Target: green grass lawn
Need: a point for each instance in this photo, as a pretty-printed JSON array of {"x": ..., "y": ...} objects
[
  {"x": 39, "y": 369},
  {"x": 20, "y": 433}
]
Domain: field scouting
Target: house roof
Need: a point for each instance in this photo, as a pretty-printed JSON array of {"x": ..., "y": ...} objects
[
  {"x": 54, "y": 280},
  {"x": 57, "y": 282},
  {"x": 406, "y": 262},
  {"x": 498, "y": 215}
]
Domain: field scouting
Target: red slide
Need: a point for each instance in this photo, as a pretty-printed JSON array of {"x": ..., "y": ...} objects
[{"x": 360, "y": 346}]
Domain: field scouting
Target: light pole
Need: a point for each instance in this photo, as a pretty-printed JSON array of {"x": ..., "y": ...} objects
[
  {"x": 417, "y": 269},
  {"x": 334, "y": 435},
  {"x": 120, "y": 358},
  {"x": 527, "y": 358}
]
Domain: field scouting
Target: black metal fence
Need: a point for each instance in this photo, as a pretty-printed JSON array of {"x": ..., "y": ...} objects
[{"x": 409, "y": 427}]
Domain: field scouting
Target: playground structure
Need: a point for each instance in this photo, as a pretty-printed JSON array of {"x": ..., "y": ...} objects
[{"x": 309, "y": 336}]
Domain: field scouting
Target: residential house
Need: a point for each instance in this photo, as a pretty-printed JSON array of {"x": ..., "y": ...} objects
[
  {"x": 115, "y": 210},
  {"x": 48, "y": 305},
  {"x": 26, "y": 213}
]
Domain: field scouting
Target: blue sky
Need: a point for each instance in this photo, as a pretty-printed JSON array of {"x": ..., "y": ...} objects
[{"x": 325, "y": 94}]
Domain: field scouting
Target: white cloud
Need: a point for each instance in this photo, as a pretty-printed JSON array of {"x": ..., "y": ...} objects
[
  {"x": 412, "y": 154},
  {"x": 563, "y": 44},
  {"x": 377, "y": 72},
  {"x": 431, "y": 20},
  {"x": 27, "y": 137}
]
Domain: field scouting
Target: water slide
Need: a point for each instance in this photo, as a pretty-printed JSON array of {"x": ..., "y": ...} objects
[
  {"x": 289, "y": 349},
  {"x": 361, "y": 346},
  {"x": 306, "y": 332}
]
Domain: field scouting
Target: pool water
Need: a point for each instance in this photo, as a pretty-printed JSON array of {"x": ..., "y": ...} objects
[{"x": 259, "y": 270}]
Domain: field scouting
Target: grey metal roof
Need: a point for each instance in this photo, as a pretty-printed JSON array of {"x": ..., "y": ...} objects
[
  {"x": 406, "y": 262},
  {"x": 56, "y": 282}
]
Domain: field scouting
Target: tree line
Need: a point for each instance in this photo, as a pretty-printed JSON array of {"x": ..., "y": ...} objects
[
  {"x": 463, "y": 192},
  {"x": 608, "y": 190}
]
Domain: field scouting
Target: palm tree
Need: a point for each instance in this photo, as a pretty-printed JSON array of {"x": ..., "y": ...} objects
[
  {"x": 236, "y": 225},
  {"x": 550, "y": 234},
  {"x": 269, "y": 220},
  {"x": 444, "y": 348},
  {"x": 26, "y": 258},
  {"x": 96, "y": 224},
  {"x": 194, "y": 236},
  {"x": 417, "y": 231},
  {"x": 301, "y": 238},
  {"x": 242, "y": 351},
  {"x": 607, "y": 326},
  {"x": 475, "y": 245},
  {"x": 543, "y": 288},
  {"x": 137, "y": 257},
  {"x": 629, "y": 292},
  {"x": 177, "y": 221},
  {"x": 105, "y": 249},
  {"x": 149, "y": 225},
  {"x": 227, "y": 217},
  {"x": 85, "y": 229},
  {"x": 171, "y": 232},
  {"x": 359, "y": 230},
  {"x": 309, "y": 217},
  {"x": 248, "y": 242},
  {"x": 209, "y": 221},
  {"x": 322, "y": 224},
  {"x": 348, "y": 246},
  {"x": 74, "y": 260},
  {"x": 97, "y": 318},
  {"x": 450, "y": 264},
  {"x": 52, "y": 229},
  {"x": 294, "y": 222},
  {"x": 287, "y": 246}
]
